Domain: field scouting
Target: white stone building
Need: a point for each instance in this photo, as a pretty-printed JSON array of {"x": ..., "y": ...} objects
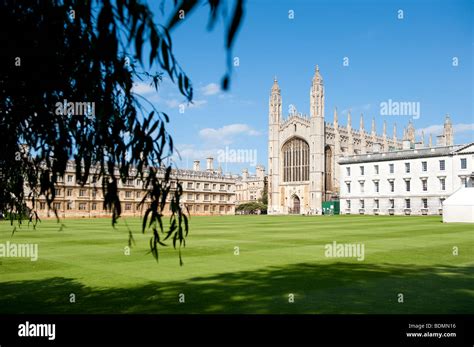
[{"x": 410, "y": 181}]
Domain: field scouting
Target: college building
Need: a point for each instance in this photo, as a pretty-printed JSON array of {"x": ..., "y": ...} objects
[
  {"x": 250, "y": 188},
  {"x": 411, "y": 181},
  {"x": 303, "y": 151},
  {"x": 205, "y": 192}
]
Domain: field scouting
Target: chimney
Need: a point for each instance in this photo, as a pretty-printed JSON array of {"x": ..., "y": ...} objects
[
  {"x": 210, "y": 165},
  {"x": 197, "y": 165}
]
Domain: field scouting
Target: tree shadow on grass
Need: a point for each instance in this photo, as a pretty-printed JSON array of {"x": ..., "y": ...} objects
[{"x": 317, "y": 288}]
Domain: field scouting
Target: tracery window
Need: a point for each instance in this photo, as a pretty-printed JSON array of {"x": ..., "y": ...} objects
[{"x": 295, "y": 160}]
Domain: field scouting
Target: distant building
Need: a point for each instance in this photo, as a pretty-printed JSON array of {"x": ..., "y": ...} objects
[
  {"x": 409, "y": 181},
  {"x": 205, "y": 192},
  {"x": 250, "y": 188}
]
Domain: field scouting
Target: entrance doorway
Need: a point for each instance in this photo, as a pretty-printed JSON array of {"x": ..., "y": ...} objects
[{"x": 296, "y": 205}]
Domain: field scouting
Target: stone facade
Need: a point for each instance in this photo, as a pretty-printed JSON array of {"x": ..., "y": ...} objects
[
  {"x": 410, "y": 181},
  {"x": 250, "y": 188},
  {"x": 303, "y": 152},
  {"x": 206, "y": 192}
]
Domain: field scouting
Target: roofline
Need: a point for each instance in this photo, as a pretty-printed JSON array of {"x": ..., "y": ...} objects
[{"x": 409, "y": 154}]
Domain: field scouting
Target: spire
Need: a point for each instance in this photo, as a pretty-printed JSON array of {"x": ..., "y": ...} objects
[
  {"x": 394, "y": 131},
  {"x": 373, "y": 126},
  {"x": 384, "y": 136},
  {"x": 335, "y": 118},
  {"x": 349, "y": 119},
  {"x": 422, "y": 137},
  {"x": 316, "y": 95},
  {"x": 275, "y": 87},
  {"x": 447, "y": 119},
  {"x": 410, "y": 134},
  {"x": 275, "y": 111},
  {"x": 430, "y": 143},
  {"x": 448, "y": 131},
  {"x": 361, "y": 124},
  {"x": 317, "y": 76}
]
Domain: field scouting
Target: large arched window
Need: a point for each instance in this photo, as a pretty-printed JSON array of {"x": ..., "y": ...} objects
[{"x": 295, "y": 160}]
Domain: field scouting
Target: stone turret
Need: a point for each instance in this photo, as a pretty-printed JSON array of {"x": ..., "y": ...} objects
[
  {"x": 274, "y": 121},
  {"x": 448, "y": 131},
  {"x": 210, "y": 164},
  {"x": 317, "y": 140}
]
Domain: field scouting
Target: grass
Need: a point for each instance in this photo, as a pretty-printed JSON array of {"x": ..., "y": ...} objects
[{"x": 279, "y": 255}]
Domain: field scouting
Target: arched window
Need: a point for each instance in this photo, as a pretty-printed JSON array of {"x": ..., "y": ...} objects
[{"x": 295, "y": 160}]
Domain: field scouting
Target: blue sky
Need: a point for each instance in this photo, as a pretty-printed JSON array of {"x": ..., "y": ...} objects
[{"x": 409, "y": 59}]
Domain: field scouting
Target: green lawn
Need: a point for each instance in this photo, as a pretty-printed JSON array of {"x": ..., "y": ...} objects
[{"x": 279, "y": 255}]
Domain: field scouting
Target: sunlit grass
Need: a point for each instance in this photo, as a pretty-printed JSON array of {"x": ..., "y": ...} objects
[{"x": 278, "y": 256}]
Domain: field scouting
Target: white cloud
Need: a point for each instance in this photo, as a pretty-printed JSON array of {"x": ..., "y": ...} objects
[
  {"x": 172, "y": 103},
  {"x": 463, "y": 127},
  {"x": 210, "y": 89},
  {"x": 197, "y": 103},
  {"x": 147, "y": 91},
  {"x": 227, "y": 133},
  {"x": 143, "y": 88},
  {"x": 189, "y": 151},
  {"x": 437, "y": 129},
  {"x": 432, "y": 129}
]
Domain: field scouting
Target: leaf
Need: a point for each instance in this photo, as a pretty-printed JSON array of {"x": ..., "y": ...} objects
[
  {"x": 214, "y": 6},
  {"x": 186, "y": 6},
  {"x": 139, "y": 41},
  {"x": 237, "y": 17},
  {"x": 165, "y": 56},
  {"x": 225, "y": 82},
  {"x": 154, "y": 43},
  {"x": 175, "y": 237}
]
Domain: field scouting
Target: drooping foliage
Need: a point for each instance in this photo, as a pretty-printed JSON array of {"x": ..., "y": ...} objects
[{"x": 91, "y": 52}]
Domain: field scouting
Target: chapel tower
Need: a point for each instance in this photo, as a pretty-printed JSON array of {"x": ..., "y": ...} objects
[
  {"x": 317, "y": 141},
  {"x": 274, "y": 120}
]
